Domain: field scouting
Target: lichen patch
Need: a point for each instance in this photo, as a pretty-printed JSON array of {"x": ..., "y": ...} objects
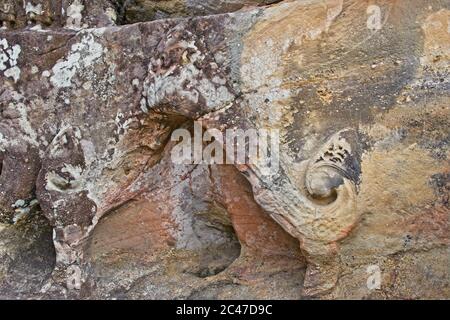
[
  {"x": 81, "y": 56},
  {"x": 8, "y": 60}
]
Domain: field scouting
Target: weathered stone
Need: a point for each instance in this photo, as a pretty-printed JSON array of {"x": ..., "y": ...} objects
[
  {"x": 362, "y": 111},
  {"x": 145, "y": 10},
  {"x": 81, "y": 14},
  {"x": 27, "y": 257},
  {"x": 70, "y": 14}
]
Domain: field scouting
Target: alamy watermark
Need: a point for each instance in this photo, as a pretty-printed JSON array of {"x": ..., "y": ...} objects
[
  {"x": 374, "y": 20},
  {"x": 374, "y": 279},
  {"x": 259, "y": 148}
]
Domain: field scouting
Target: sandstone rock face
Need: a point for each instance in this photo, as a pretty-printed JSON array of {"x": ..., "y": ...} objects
[
  {"x": 145, "y": 10},
  {"x": 92, "y": 204}
]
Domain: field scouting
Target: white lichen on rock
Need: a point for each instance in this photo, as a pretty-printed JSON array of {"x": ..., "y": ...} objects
[
  {"x": 74, "y": 16},
  {"x": 3, "y": 142},
  {"x": 56, "y": 182},
  {"x": 82, "y": 55},
  {"x": 32, "y": 10},
  {"x": 172, "y": 83},
  {"x": 26, "y": 134},
  {"x": 8, "y": 59}
]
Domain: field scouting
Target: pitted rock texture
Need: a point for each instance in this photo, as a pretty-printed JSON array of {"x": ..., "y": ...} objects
[{"x": 88, "y": 107}]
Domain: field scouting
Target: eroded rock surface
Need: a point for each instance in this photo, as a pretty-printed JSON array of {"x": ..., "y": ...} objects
[
  {"x": 79, "y": 14},
  {"x": 358, "y": 92}
]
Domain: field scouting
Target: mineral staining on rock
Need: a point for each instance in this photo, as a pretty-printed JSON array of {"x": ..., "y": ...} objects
[{"x": 87, "y": 110}]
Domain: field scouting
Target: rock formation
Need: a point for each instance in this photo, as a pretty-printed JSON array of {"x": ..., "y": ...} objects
[{"x": 93, "y": 206}]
